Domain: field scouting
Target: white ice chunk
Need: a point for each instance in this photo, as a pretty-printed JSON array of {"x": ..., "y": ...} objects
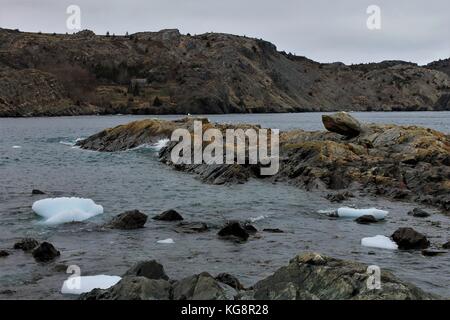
[
  {"x": 62, "y": 210},
  {"x": 79, "y": 285},
  {"x": 346, "y": 212},
  {"x": 16, "y": 147},
  {"x": 166, "y": 241},
  {"x": 381, "y": 242}
]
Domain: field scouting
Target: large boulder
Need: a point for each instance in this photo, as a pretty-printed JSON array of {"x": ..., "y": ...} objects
[
  {"x": 148, "y": 269},
  {"x": 315, "y": 276},
  {"x": 132, "y": 288},
  {"x": 202, "y": 287},
  {"x": 26, "y": 244},
  {"x": 45, "y": 252},
  {"x": 128, "y": 220},
  {"x": 343, "y": 124},
  {"x": 408, "y": 238}
]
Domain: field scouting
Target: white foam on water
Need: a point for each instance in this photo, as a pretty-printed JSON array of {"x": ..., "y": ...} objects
[
  {"x": 166, "y": 241},
  {"x": 71, "y": 143},
  {"x": 16, "y": 147},
  {"x": 380, "y": 242},
  {"x": 346, "y": 212},
  {"x": 257, "y": 218},
  {"x": 79, "y": 285},
  {"x": 63, "y": 210},
  {"x": 160, "y": 144}
]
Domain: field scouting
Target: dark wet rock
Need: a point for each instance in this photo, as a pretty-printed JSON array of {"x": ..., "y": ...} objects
[
  {"x": 432, "y": 253},
  {"x": 191, "y": 227},
  {"x": 148, "y": 269},
  {"x": 132, "y": 288},
  {"x": 314, "y": 276},
  {"x": 230, "y": 280},
  {"x": 129, "y": 220},
  {"x": 342, "y": 123},
  {"x": 202, "y": 287},
  {"x": 408, "y": 238},
  {"x": 36, "y": 192},
  {"x": 250, "y": 228},
  {"x": 235, "y": 230},
  {"x": 7, "y": 292},
  {"x": 169, "y": 215},
  {"x": 340, "y": 196},
  {"x": 60, "y": 268},
  {"x": 4, "y": 253},
  {"x": 275, "y": 230},
  {"x": 446, "y": 245},
  {"x": 26, "y": 244},
  {"x": 45, "y": 252},
  {"x": 419, "y": 213},
  {"x": 366, "y": 219}
]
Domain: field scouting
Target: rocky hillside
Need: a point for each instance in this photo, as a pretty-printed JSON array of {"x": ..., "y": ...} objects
[{"x": 166, "y": 72}]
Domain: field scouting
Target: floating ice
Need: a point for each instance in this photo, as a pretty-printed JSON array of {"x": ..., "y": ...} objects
[
  {"x": 257, "y": 218},
  {"x": 62, "y": 210},
  {"x": 166, "y": 241},
  {"x": 79, "y": 285},
  {"x": 346, "y": 212},
  {"x": 381, "y": 242},
  {"x": 16, "y": 147}
]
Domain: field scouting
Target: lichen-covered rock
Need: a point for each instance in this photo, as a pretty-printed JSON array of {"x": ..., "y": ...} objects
[{"x": 315, "y": 276}]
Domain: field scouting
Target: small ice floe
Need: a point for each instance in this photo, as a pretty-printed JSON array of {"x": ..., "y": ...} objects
[
  {"x": 79, "y": 285},
  {"x": 381, "y": 242},
  {"x": 63, "y": 210},
  {"x": 346, "y": 212},
  {"x": 261, "y": 217},
  {"x": 16, "y": 147},
  {"x": 166, "y": 241}
]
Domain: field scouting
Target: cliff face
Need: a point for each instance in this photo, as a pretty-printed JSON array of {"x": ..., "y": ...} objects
[{"x": 166, "y": 72}]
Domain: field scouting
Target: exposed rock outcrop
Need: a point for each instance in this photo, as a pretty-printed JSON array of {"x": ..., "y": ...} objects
[
  {"x": 400, "y": 162},
  {"x": 148, "y": 269},
  {"x": 343, "y": 124},
  {"x": 233, "y": 230},
  {"x": 169, "y": 215}
]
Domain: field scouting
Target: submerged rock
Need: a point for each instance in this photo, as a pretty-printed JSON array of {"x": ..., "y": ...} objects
[
  {"x": 446, "y": 245},
  {"x": 250, "y": 228},
  {"x": 366, "y": 219},
  {"x": 132, "y": 288},
  {"x": 148, "y": 269},
  {"x": 342, "y": 123},
  {"x": 432, "y": 253},
  {"x": 273, "y": 230},
  {"x": 419, "y": 213},
  {"x": 36, "y": 192},
  {"x": 234, "y": 229},
  {"x": 129, "y": 220},
  {"x": 45, "y": 252},
  {"x": 26, "y": 244},
  {"x": 315, "y": 276},
  {"x": 191, "y": 227},
  {"x": 169, "y": 215},
  {"x": 4, "y": 253},
  {"x": 408, "y": 238}
]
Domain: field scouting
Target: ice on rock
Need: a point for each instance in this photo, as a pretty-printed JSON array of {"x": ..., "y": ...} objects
[
  {"x": 79, "y": 285},
  {"x": 166, "y": 241},
  {"x": 346, "y": 212},
  {"x": 63, "y": 210},
  {"x": 381, "y": 242}
]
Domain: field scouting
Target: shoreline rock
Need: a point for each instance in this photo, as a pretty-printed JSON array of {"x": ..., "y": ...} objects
[
  {"x": 309, "y": 276},
  {"x": 128, "y": 220},
  {"x": 26, "y": 244},
  {"x": 45, "y": 252},
  {"x": 169, "y": 215},
  {"x": 408, "y": 238}
]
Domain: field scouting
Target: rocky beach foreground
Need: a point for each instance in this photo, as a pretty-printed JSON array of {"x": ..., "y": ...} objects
[{"x": 407, "y": 163}]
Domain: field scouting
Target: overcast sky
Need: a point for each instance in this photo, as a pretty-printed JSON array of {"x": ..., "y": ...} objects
[{"x": 323, "y": 30}]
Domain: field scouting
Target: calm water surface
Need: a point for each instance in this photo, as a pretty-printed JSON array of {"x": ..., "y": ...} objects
[{"x": 136, "y": 180}]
